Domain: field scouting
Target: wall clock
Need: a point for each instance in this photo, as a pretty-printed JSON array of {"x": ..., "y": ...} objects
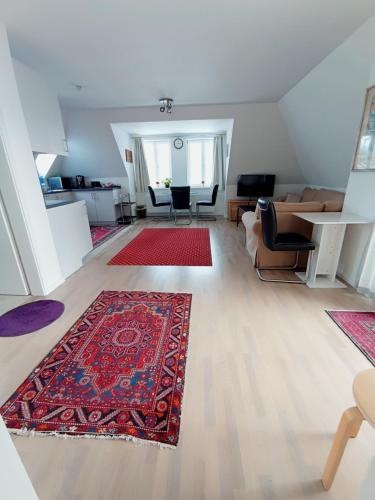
[{"x": 178, "y": 143}]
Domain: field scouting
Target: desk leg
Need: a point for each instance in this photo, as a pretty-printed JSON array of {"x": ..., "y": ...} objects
[{"x": 323, "y": 261}]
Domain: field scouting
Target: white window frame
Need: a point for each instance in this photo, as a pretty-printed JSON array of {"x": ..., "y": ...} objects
[
  {"x": 199, "y": 139},
  {"x": 154, "y": 141}
]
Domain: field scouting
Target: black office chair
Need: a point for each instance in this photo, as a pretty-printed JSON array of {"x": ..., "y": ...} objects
[
  {"x": 283, "y": 242},
  {"x": 181, "y": 201},
  {"x": 159, "y": 204},
  {"x": 207, "y": 203}
]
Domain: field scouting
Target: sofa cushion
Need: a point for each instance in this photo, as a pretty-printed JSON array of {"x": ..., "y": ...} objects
[
  {"x": 308, "y": 194},
  {"x": 309, "y": 206},
  {"x": 323, "y": 195},
  {"x": 292, "y": 198},
  {"x": 330, "y": 195},
  {"x": 333, "y": 206}
]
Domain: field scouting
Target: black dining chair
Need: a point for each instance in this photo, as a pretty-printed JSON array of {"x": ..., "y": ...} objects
[
  {"x": 181, "y": 201},
  {"x": 280, "y": 242},
  {"x": 208, "y": 203},
  {"x": 159, "y": 204}
]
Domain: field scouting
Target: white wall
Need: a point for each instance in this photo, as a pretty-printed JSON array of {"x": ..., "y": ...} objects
[
  {"x": 12, "y": 277},
  {"x": 323, "y": 114},
  {"x": 260, "y": 142},
  {"x": 20, "y": 186},
  {"x": 93, "y": 151},
  {"x": 42, "y": 111},
  {"x": 15, "y": 483},
  {"x": 124, "y": 141}
]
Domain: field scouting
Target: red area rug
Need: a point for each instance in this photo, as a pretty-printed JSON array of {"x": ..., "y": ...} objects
[
  {"x": 167, "y": 247},
  {"x": 117, "y": 373},
  {"x": 360, "y": 328},
  {"x": 100, "y": 234}
]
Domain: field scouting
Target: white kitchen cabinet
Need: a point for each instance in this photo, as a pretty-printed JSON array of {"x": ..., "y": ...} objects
[
  {"x": 41, "y": 110},
  {"x": 105, "y": 206},
  {"x": 64, "y": 196},
  {"x": 87, "y": 197},
  {"x": 101, "y": 204}
]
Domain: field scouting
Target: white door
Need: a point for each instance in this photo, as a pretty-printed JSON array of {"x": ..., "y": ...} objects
[
  {"x": 105, "y": 206},
  {"x": 12, "y": 278},
  {"x": 88, "y": 197}
]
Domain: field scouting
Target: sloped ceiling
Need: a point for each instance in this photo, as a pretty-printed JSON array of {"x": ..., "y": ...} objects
[
  {"x": 323, "y": 112},
  {"x": 131, "y": 52}
]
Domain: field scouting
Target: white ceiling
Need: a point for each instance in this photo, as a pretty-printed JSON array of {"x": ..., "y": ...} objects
[
  {"x": 131, "y": 52},
  {"x": 178, "y": 127}
]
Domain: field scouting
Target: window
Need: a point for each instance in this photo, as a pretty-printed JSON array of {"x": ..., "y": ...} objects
[
  {"x": 44, "y": 163},
  {"x": 200, "y": 162},
  {"x": 158, "y": 159}
]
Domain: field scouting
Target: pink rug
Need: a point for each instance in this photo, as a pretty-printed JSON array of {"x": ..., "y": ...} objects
[
  {"x": 100, "y": 234},
  {"x": 360, "y": 328}
]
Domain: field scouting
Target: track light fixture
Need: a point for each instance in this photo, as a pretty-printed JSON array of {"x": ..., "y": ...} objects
[{"x": 166, "y": 104}]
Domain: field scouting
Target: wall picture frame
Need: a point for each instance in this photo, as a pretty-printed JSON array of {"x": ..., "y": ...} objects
[
  {"x": 364, "y": 158},
  {"x": 128, "y": 156}
]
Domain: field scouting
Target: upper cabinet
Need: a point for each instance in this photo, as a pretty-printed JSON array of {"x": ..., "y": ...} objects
[{"x": 42, "y": 111}]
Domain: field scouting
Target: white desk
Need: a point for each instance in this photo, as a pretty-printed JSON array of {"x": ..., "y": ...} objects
[{"x": 328, "y": 236}]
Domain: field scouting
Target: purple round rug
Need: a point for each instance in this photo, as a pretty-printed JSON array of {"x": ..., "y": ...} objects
[{"x": 30, "y": 317}]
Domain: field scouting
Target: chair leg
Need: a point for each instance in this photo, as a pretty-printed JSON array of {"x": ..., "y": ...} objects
[
  {"x": 205, "y": 217},
  {"x": 267, "y": 280},
  {"x": 184, "y": 223},
  {"x": 349, "y": 426},
  {"x": 197, "y": 209}
]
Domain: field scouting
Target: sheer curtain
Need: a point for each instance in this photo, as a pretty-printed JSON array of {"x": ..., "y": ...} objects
[
  {"x": 142, "y": 179},
  {"x": 367, "y": 280},
  {"x": 219, "y": 160}
]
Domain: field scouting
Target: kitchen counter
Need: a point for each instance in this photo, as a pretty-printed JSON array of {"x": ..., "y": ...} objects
[
  {"x": 54, "y": 191},
  {"x": 71, "y": 234},
  {"x": 57, "y": 203}
]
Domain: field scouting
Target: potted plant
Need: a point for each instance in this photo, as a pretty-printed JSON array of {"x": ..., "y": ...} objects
[
  {"x": 167, "y": 182},
  {"x": 141, "y": 211}
]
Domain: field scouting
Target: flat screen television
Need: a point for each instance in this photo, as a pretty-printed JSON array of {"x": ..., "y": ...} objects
[{"x": 254, "y": 186}]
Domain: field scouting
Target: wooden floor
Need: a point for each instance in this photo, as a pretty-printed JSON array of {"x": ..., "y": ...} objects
[{"x": 268, "y": 375}]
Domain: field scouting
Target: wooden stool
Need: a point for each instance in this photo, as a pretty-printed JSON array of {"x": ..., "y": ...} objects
[{"x": 351, "y": 420}]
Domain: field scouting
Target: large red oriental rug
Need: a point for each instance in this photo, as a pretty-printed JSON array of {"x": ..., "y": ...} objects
[
  {"x": 166, "y": 247},
  {"x": 118, "y": 372},
  {"x": 360, "y": 328}
]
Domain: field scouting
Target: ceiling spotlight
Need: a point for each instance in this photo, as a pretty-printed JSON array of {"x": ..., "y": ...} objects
[
  {"x": 78, "y": 86},
  {"x": 166, "y": 104}
]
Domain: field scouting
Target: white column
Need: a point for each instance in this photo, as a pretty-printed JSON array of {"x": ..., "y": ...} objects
[{"x": 20, "y": 187}]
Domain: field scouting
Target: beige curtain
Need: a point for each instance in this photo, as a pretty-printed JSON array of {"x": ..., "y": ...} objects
[
  {"x": 220, "y": 146},
  {"x": 142, "y": 179}
]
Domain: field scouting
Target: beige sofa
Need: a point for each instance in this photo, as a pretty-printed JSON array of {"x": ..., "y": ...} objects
[{"x": 311, "y": 200}]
